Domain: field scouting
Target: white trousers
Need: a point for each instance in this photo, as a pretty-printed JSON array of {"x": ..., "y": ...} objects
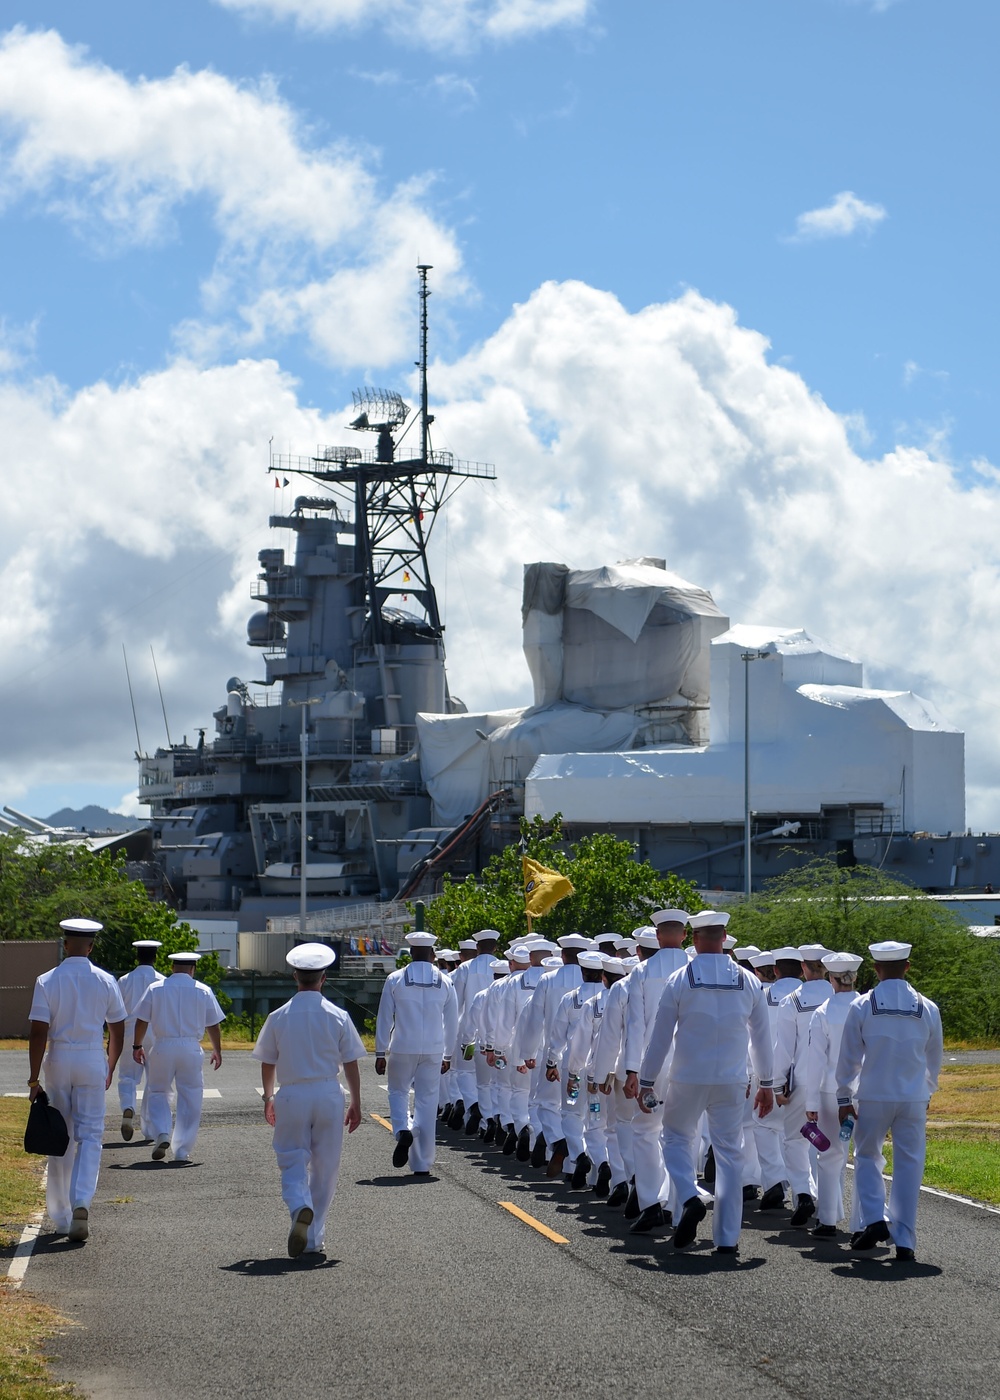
[
  {"x": 74, "y": 1082},
  {"x": 626, "y": 1112},
  {"x": 520, "y": 1089},
  {"x": 751, "y": 1162},
  {"x": 723, "y": 1103},
  {"x": 421, "y": 1074},
  {"x": 308, "y": 1137},
  {"x": 769, "y": 1136},
  {"x": 831, "y": 1166},
  {"x": 176, "y": 1061},
  {"x": 130, "y": 1075},
  {"x": 573, "y": 1121},
  {"x": 501, "y": 1094},
  {"x": 548, "y": 1106},
  {"x": 464, "y": 1082},
  {"x": 651, "y": 1181},
  {"x": 484, "y": 1085},
  {"x": 907, "y": 1121},
  {"x": 798, "y": 1152}
]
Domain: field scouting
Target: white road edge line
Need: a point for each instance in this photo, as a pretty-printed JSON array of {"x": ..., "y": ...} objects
[
  {"x": 26, "y": 1244},
  {"x": 948, "y": 1195}
]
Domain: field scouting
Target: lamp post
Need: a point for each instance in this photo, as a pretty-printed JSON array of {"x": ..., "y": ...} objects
[
  {"x": 746, "y": 657},
  {"x": 304, "y": 748}
]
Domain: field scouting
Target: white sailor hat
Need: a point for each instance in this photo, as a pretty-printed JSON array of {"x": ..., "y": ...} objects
[
  {"x": 147, "y": 943},
  {"x": 669, "y": 916},
  {"x": 421, "y": 940},
  {"x": 708, "y": 918},
  {"x": 842, "y": 962},
  {"x": 448, "y": 955},
  {"x": 890, "y": 951},
  {"x": 787, "y": 955},
  {"x": 537, "y": 944},
  {"x": 81, "y": 928},
  {"x": 624, "y": 941},
  {"x": 552, "y": 962},
  {"x": 594, "y": 962},
  {"x": 188, "y": 956},
  {"x": 615, "y": 967},
  {"x": 813, "y": 952},
  {"x": 728, "y": 943},
  {"x": 647, "y": 938},
  {"x": 765, "y": 959},
  {"x": 499, "y": 965},
  {"x": 745, "y": 954},
  {"x": 308, "y": 957},
  {"x": 519, "y": 953},
  {"x": 487, "y": 935},
  {"x": 629, "y": 963},
  {"x": 467, "y": 944},
  {"x": 573, "y": 940},
  {"x": 643, "y": 928},
  {"x": 606, "y": 938}
]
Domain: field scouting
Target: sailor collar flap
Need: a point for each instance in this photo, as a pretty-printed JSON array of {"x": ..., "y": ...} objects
[
  {"x": 916, "y": 1007},
  {"x": 410, "y": 981},
  {"x": 733, "y": 978}
]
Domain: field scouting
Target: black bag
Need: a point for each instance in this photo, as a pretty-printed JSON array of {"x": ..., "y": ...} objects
[{"x": 46, "y": 1133}]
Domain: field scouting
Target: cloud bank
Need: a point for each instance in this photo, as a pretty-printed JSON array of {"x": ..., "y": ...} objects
[{"x": 844, "y": 215}]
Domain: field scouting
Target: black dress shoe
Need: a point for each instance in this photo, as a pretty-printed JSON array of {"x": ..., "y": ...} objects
[
  {"x": 825, "y": 1232},
  {"x": 523, "y": 1145},
  {"x": 560, "y": 1151},
  {"x": 773, "y": 1198},
  {"x": 457, "y": 1118},
  {"x": 870, "y": 1236},
  {"x": 510, "y": 1141},
  {"x": 632, "y": 1204},
  {"x": 649, "y": 1219},
  {"x": 750, "y": 1193},
  {"x": 602, "y": 1185},
  {"x": 727, "y": 1249},
  {"x": 580, "y": 1172},
  {"x": 708, "y": 1175},
  {"x": 805, "y": 1208},
  {"x": 619, "y": 1195},
  {"x": 904, "y": 1255},
  {"x": 687, "y": 1227},
  {"x": 403, "y": 1144},
  {"x": 537, "y": 1158},
  {"x": 490, "y": 1132},
  {"x": 473, "y": 1121}
]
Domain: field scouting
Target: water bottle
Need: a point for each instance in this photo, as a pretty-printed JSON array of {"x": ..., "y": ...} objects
[
  {"x": 572, "y": 1088},
  {"x": 648, "y": 1100},
  {"x": 815, "y": 1134},
  {"x": 847, "y": 1127},
  {"x": 595, "y": 1107},
  {"x": 500, "y": 1060}
]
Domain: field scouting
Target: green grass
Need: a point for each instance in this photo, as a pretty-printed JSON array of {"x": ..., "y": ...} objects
[{"x": 964, "y": 1161}]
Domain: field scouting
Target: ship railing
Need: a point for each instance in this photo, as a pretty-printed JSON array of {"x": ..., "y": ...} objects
[
  {"x": 389, "y": 921},
  {"x": 282, "y": 751},
  {"x": 271, "y": 586}
]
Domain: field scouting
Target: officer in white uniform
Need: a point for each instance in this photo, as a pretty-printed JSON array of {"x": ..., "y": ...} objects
[
  {"x": 892, "y": 1039},
  {"x": 826, "y": 1029},
  {"x": 179, "y": 1011},
  {"x": 69, "y": 1009},
  {"x": 305, "y": 1044},
  {"x": 415, "y": 1029},
  {"x": 706, "y": 1012},
  {"x": 133, "y": 987},
  {"x": 791, "y": 1047}
]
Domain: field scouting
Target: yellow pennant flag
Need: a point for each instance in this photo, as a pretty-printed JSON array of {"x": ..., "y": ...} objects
[{"x": 542, "y": 888}]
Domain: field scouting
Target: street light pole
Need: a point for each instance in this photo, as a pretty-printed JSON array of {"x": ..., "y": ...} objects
[{"x": 746, "y": 657}]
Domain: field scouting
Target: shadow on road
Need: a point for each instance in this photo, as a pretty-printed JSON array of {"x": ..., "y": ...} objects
[
  {"x": 268, "y": 1268},
  {"x": 408, "y": 1180},
  {"x": 884, "y": 1270}
]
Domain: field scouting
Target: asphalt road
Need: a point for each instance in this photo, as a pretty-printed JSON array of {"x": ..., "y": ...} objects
[{"x": 431, "y": 1289}]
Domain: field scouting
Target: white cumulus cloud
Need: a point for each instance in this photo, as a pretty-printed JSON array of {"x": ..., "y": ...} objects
[{"x": 844, "y": 215}]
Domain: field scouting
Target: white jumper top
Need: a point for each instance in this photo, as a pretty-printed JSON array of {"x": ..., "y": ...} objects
[
  {"x": 535, "y": 1022},
  {"x": 792, "y": 1023},
  {"x": 892, "y": 1039},
  {"x": 826, "y": 1030},
  {"x": 609, "y": 1052},
  {"x": 417, "y": 1013},
  {"x": 646, "y": 985}
]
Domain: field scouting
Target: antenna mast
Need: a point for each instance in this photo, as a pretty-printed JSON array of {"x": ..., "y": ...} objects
[
  {"x": 162, "y": 705},
  {"x": 131, "y": 699},
  {"x": 425, "y": 422}
]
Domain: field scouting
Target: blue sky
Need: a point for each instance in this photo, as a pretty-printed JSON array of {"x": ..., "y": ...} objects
[{"x": 823, "y": 168}]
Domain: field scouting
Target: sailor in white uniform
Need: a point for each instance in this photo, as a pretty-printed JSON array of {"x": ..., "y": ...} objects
[
  {"x": 791, "y": 1047},
  {"x": 416, "y": 1027},
  {"x": 69, "y": 1009},
  {"x": 541, "y": 951},
  {"x": 580, "y": 1061},
  {"x": 533, "y": 1033},
  {"x": 179, "y": 1011},
  {"x": 892, "y": 1039},
  {"x": 826, "y": 1029},
  {"x": 505, "y": 999},
  {"x": 133, "y": 987},
  {"x": 468, "y": 979},
  {"x": 569, "y": 1014},
  {"x": 304, "y": 1045},
  {"x": 783, "y": 967},
  {"x": 707, "y": 1010},
  {"x": 609, "y": 1067},
  {"x": 646, "y": 986},
  {"x": 447, "y": 960}
]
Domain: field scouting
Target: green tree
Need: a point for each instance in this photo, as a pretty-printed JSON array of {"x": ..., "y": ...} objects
[
  {"x": 42, "y": 884},
  {"x": 613, "y": 891},
  {"x": 847, "y": 908}
]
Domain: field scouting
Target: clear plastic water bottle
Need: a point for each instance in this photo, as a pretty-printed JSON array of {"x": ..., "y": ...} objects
[
  {"x": 500, "y": 1060},
  {"x": 572, "y": 1088},
  {"x": 648, "y": 1100},
  {"x": 594, "y": 1105},
  {"x": 847, "y": 1127}
]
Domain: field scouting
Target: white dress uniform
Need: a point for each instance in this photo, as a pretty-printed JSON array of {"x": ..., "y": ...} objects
[
  {"x": 532, "y": 1037},
  {"x": 893, "y": 1040},
  {"x": 769, "y": 1132},
  {"x": 609, "y": 1061},
  {"x": 416, "y": 1028},
  {"x": 133, "y": 987},
  {"x": 791, "y": 1047},
  {"x": 178, "y": 1010},
  {"x": 826, "y": 1029},
  {"x": 514, "y": 994},
  {"x": 580, "y": 1060},
  {"x": 646, "y": 984},
  {"x": 500, "y": 1070},
  {"x": 309, "y": 1039},
  {"x": 706, "y": 1012},
  {"x": 469, "y": 979},
  {"x": 75, "y": 1000},
  {"x": 573, "y": 1117}
]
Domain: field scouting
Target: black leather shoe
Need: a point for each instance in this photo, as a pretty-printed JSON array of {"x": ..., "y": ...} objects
[
  {"x": 490, "y": 1133},
  {"x": 560, "y": 1151},
  {"x": 457, "y": 1118},
  {"x": 825, "y": 1232},
  {"x": 523, "y": 1145},
  {"x": 510, "y": 1141},
  {"x": 537, "y": 1158},
  {"x": 708, "y": 1175},
  {"x": 731, "y": 1250},
  {"x": 580, "y": 1172},
  {"x": 403, "y": 1144},
  {"x": 632, "y": 1204},
  {"x": 687, "y": 1227},
  {"x": 649, "y": 1219},
  {"x": 773, "y": 1198},
  {"x": 750, "y": 1193},
  {"x": 473, "y": 1121},
  {"x": 806, "y": 1207},
  {"x": 904, "y": 1255},
  {"x": 602, "y": 1185},
  {"x": 444, "y": 1111},
  {"x": 619, "y": 1195},
  {"x": 870, "y": 1236}
]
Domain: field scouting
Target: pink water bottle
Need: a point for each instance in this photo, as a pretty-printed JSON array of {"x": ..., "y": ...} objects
[{"x": 816, "y": 1136}]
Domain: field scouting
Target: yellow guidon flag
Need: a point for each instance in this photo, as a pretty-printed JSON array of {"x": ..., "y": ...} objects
[{"x": 542, "y": 887}]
